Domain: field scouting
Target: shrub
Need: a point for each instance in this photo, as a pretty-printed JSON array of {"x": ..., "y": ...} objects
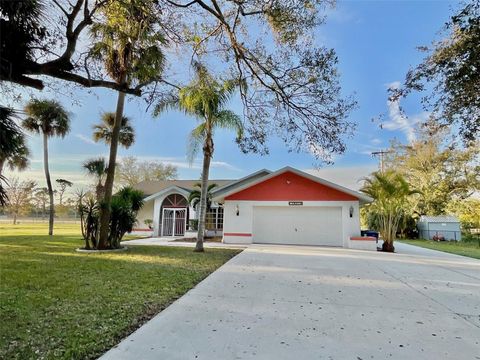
[
  {"x": 194, "y": 224},
  {"x": 124, "y": 209},
  {"x": 149, "y": 223}
]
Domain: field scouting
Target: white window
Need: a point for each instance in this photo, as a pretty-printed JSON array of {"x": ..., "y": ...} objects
[{"x": 214, "y": 219}]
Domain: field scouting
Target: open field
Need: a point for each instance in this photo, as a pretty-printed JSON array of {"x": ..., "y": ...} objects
[
  {"x": 60, "y": 304},
  {"x": 470, "y": 249}
]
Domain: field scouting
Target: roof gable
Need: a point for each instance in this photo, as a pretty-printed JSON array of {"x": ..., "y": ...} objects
[
  {"x": 291, "y": 184},
  {"x": 170, "y": 189}
]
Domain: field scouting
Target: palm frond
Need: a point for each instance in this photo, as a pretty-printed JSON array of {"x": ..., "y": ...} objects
[{"x": 48, "y": 117}]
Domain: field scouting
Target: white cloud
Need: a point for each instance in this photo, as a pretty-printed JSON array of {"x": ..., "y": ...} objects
[
  {"x": 376, "y": 141},
  {"x": 347, "y": 176},
  {"x": 85, "y": 139},
  {"x": 398, "y": 121},
  {"x": 183, "y": 163},
  {"x": 321, "y": 153}
]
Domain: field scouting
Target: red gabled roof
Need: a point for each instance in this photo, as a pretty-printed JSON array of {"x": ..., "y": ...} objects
[{"x": 290, "y": 185}]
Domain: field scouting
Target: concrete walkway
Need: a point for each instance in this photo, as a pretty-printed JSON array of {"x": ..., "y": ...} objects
[
  {"x": 162, "y": 241},
  {"x": 285, "y": 302}
]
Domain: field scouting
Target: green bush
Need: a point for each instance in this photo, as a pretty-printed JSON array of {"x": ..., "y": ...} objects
[
  {"x": 193, "y": 224},
  {"x": 471, "y": 238},
  {"x": 124, "y": 208},
  {"x": 148, "y": 222}
]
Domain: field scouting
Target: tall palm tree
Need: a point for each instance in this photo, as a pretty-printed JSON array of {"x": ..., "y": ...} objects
[
  {"x": 47, "y": 118},
  {"x": 391, "y": 193},
  {"x": 128, "y": 43},
  {"x": 205, "y": 98},
  {"x": 104, "y": 130},
  {"x": 3, "y": 191},
  {"x": 13, "y": 149},
  {"x": 98, "y": 168}
]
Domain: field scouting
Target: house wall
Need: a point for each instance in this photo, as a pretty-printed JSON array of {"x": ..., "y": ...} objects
[
  {"x": 146, "y": 212},
  {"x": 238, "y": 229}
]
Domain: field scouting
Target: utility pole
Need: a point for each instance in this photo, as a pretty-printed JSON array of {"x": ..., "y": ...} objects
[{"x": 380, "y": 154}]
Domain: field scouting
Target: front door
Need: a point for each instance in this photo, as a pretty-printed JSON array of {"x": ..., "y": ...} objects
[{"x": 174, "y": 222}]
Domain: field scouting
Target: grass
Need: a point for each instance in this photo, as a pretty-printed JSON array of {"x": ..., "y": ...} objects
[
  {"x": 56, "y": 303},
  {"x": 470, "y": 249}
]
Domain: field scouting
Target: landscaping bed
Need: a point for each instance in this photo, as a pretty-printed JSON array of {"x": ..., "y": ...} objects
[
  {"x": 217, "y": 239},
  {"x": 57, "y": 303}
]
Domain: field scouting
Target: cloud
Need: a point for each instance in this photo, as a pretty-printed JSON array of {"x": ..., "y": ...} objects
[
  {"x": 376, "y": 141},
  {"x": 79, "y": 179},
  {"x": 183, "y": 163},
  {"x": 85, "y": 139},
  {"x": 398, "y": 120},
  {"x": 321, "y": 153},
  {"x": 347, "y": 176}
]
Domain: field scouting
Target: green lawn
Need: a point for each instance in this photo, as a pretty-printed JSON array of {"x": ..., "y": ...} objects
[
  {"x": 56, "y": 303},
  {"x": 470, "y": 249}
]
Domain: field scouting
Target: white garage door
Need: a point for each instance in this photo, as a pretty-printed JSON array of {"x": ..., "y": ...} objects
[{"x": 298, "y": 225}]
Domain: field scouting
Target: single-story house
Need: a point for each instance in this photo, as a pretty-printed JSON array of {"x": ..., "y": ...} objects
[
  {"x": 286, "y": 206},
  {"x": 443, "y": 227}
]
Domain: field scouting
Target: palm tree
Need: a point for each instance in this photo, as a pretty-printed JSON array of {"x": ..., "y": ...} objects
[
  {"x": 103, "y": 131},
  {"x": 47, "y": 118},
  {"x": 391, "y": 193},
  {"x": 195, "y": 195},
  {"x": 128, "y": 44},
  {"x": 13, "y": 148},
  {"x": 98, "y": 168},
  {"x": 205, "y": 98},
  {"x": 3, "y": 191}
]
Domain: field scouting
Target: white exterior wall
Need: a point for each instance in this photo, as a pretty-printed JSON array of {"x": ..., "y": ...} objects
[
  {"x": 243, "y": 223},
  {"x": 146, "y": 212}
]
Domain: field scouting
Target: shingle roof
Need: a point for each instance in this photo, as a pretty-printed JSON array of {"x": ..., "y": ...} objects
[
  {"x": 439, "y": 219},
  {"x": 151, "y": 187}
]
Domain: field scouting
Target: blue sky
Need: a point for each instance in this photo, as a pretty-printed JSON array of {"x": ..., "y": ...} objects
[{"x": 376, "y": 44}]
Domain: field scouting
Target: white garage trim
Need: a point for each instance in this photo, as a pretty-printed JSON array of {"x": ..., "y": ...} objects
[
  {"x": 240, "y": 228},
  {"x": 298, "y": 225}
]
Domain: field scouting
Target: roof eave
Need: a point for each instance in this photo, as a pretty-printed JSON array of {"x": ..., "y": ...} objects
[{"x": 166, "y": 190}]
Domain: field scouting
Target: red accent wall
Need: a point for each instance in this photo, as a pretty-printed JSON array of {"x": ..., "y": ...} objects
[{"x": 290, "y": 186}]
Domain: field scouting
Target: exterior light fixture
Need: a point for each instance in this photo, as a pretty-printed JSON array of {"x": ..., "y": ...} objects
[
  {"x": 237, "y": 210},
  {"x": 351, "y": 211}
]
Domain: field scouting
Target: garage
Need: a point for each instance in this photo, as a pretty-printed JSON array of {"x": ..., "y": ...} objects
[
  {"x": 297, "y": 225},
  {"x": 290, "y": 207}
]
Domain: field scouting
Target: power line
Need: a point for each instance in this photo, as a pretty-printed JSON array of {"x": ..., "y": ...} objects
[{"x": 381, "y": 154}]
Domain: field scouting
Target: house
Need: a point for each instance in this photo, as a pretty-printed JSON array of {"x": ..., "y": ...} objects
[
  {"x": 286, "y": 206},
  {"x": 444, "y": 227}
]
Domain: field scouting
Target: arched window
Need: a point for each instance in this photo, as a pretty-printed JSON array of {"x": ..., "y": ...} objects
[{"x": 174, "y": 201}]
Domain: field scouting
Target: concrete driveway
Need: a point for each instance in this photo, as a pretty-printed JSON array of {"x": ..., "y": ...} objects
[{"x": 285, "y": 302}]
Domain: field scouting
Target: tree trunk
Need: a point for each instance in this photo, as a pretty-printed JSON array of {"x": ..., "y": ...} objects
[
  {"x": 14, "y": 219},
  {"x": 388, "y": 247},
  {"x": 207, "y": 156},
  {"x": 2, "y": 163},
  {"x": 49, "y": 183},
  {"x": 108, "y": 188}
]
